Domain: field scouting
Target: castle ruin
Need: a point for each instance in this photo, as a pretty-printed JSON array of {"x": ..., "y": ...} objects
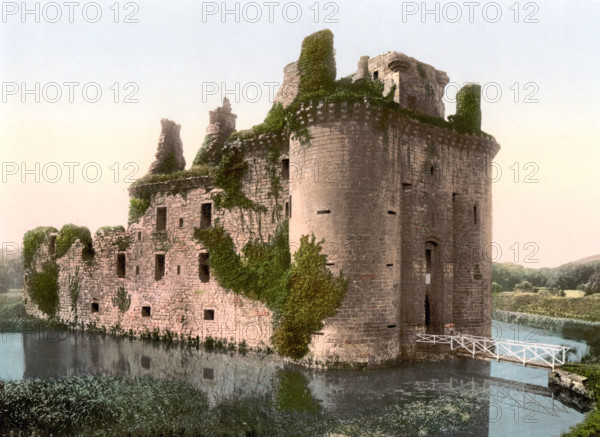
[{"x": 401, "y": 198}]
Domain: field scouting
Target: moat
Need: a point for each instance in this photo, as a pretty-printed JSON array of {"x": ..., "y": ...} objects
[{"x": 449, "y": 397}]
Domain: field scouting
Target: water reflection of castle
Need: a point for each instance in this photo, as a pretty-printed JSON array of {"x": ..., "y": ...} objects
[{"x": 343, "y": 393}]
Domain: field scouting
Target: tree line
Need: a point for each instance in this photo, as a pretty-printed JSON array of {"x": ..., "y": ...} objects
[{"x": 571, "y": 276}]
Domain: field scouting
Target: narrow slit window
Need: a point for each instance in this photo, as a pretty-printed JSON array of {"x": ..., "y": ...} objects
[
  {"x": 95, "y": 307},
  {"x": 137, "y": 270},
  {"x": 178, "y": 270},
  {"x": 287, "y": 209},
  {"x": 391, "y": 326},
  {"x": 159, "y": 267},
  {"x": 290, "y": 201},
  {"x": 329, "y": 264},
  {"x": 285, "y": 169},
  {"x": 431, "y": 170},
  {"x": 204, "y": 267},
  {"x": 146, "y": 311},
  {"x": 324, "y": 211},
  {"x": 475, "y": 214},
  {"x": 428, "y": 261},
  {"x": 180, "y": 223},
  {"x": 209, "y": 314},
  {"x": 139, "y": 236},
  {"x": 121, "y": 265},
  {"x": 205, "y": 215},
  {"x": 389, "y": 265},
  {"x": 161, "y": 219},
  {"x": 392, "y": 212}
]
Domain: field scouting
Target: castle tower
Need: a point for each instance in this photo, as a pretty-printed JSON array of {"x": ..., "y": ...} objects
[{"x": 346, "y": 192}]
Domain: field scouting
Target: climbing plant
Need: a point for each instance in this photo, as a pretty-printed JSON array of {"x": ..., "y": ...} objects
[
  {"x": 316, "y": 63},
  {"x": 300, "y": 294},
  {"x": 122, "y": 300},
  {"x": 74, "y": 290},
  {"x": 43, "y": 288},
  {"x": 468, "y": 109}
]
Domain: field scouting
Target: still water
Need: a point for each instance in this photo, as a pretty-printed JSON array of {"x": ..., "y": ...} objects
[{"x": 485, "y": 398}]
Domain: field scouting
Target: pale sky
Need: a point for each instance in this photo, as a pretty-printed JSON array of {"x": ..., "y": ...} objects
[{"x": 175, "y": 54}]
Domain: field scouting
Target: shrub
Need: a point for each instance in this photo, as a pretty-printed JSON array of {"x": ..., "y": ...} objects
[{"x": 137, "y": 208}]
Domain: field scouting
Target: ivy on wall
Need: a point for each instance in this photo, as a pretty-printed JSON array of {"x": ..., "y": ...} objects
[
  {"x": 67, "y": 236},
  {"x": 301, "y": 294},
  {"x": 43, "y": 288},
  {"x": 468, "y": 109},
  {"x": 32, "y": 240}
]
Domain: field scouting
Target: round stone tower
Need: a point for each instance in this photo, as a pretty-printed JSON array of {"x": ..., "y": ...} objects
[{"x": 344, "y": 189}]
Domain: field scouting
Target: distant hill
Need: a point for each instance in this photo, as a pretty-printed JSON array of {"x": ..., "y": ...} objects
[{"x": 587, "y": 259}]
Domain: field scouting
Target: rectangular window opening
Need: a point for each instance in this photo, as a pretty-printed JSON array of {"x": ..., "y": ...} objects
[
  {"x": 329, "y": 264},
  {"x": 159, "y": 267},
  {"x": 285, "y": 169},
  {"x": 391, "y": 326},
  {"x": 161, "y": 219},
  {"x": 208, "y": 373},
  {"x": 392, "y": 212},
  {"x": 406, "y": 187},
  {"x": 121, "y": 265},
  {"x": 475, "y": 215},
  {"x": 146, "y": 311},
  {"x": 324, "y": 211},
  {"x": 139, "y": 236},
  {"x": 205, "y": 215},
  {"x": 52, "y": 245},
  {"x": 204, "y": 267},
  {"x": 180, "y": 223},
  {"x": 209, "y": 314},
  {"x": 376, "y": 74},
  {"x": 389, "y": 265},
  {"x": 95, "y": 307},
  {"x": 178, "y": 270},
  {"x": 137, "y": 270}
]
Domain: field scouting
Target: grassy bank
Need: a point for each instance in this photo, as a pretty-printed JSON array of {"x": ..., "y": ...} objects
[
  {"x": 582, "y": 308},
  {"x": 590, "y": 427}
]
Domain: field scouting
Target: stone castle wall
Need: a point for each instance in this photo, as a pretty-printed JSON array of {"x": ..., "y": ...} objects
[{"x": 178, "y": 300}]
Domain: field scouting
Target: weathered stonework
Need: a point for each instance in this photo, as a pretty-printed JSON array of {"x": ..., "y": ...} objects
[
  {"x": 169, "y": 156},
  {"x": 404, "y": 208}
]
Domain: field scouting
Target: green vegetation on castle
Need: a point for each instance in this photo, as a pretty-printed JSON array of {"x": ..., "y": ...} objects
[
  {"x": 109, "y": 230},
  {"x": 316, "y": 63},
  {"x": 32, "y": 240},
  {"x": 67, "y": 236},
  {"x": 300, "y": 294},
  {"x": 468, "y": 109},
  {"x": 43, "y": 288}
]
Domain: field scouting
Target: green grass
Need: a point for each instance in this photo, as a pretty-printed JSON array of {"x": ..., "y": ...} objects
[
  {"x": 581, "y": 308},
  {"x": 590, "y": 427}
]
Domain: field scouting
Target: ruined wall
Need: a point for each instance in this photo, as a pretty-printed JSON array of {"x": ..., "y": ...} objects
[
  {"x": 419, "y": 86},
  {"x": 179, "y": 299}
]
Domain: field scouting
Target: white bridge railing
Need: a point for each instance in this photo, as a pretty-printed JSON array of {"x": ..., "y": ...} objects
[{"x": 550, "y": 355}]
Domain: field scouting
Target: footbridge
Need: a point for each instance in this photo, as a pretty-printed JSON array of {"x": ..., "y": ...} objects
[{"x": 536, "y": 354}]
